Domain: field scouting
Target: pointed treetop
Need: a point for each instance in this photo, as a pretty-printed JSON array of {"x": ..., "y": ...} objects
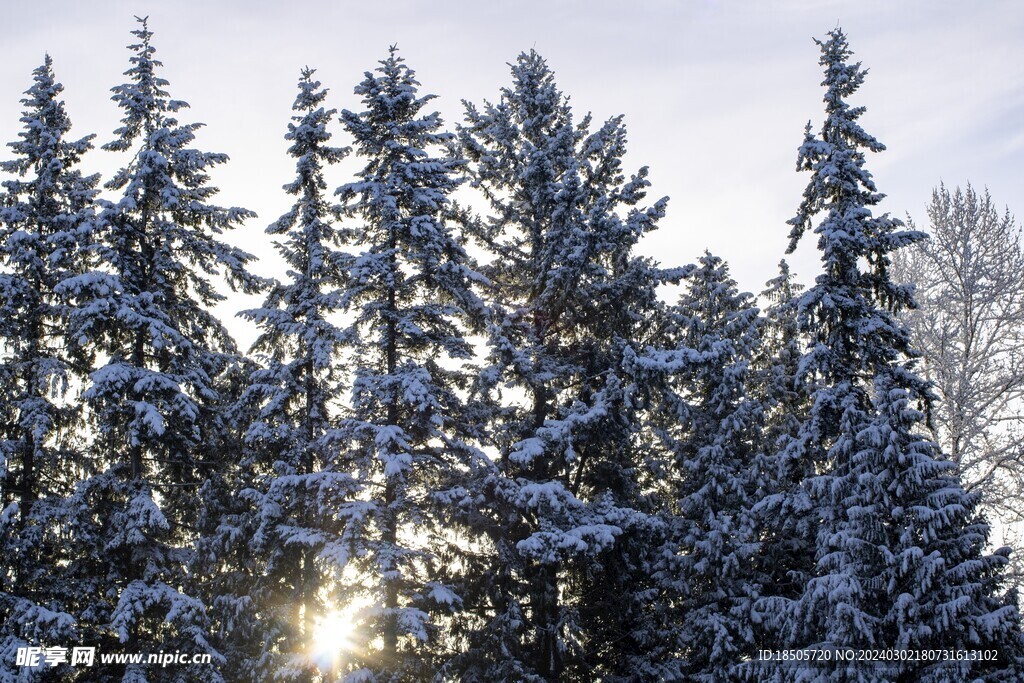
[
  {"x": 531, "y": 70},
  {"x": 144, "y": 49},
  {"x": 310, "y": 92},
  {"x": 781, "y": 287},
  {"x": 840, "y": 180},
  {"x": 395, "y": 89},
  {"x": 143, "y": 34},
  {"x": 44, "y": 85},
  {"x": 309, "y": 133},
  {"x": 44, "y": 80},
  {"x": 143, "y": 98},
  {"x": 41, "y": 100},
  {"x": 41, "y": 145},
  {"x": 535, "y": 91}
]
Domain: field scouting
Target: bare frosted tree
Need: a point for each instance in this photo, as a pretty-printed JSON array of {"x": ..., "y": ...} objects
[{"x": 969, "y": 325}]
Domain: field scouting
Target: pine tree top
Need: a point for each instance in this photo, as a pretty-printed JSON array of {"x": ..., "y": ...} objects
[
  {"x": 840, "y": 184},
  {"x": 42, "y": 148},
  {"x": 46, "y": 123},
  {"x": 143, "y": 98}
]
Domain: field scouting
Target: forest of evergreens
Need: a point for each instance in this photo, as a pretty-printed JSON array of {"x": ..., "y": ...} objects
[{"x": 473, "y": 441}]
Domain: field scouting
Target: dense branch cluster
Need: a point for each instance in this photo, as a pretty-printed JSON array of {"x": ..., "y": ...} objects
[{"x": 474, "y": 435}]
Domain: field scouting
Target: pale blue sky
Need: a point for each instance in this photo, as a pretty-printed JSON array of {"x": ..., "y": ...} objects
[{"x": 715, "y": 94}]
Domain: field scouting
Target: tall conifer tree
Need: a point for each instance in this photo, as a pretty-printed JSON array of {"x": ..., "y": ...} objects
[
  {"x": 702, "y": 420},
  {"x": 44, "y": 211},
  {"x": 409, "y": 433},
  {"x": 152, "y": 401},
  {"x": 288, "y": 478},
  {"x": 785, "y": 557},
  {"x": 569, "y": 296},
  {"x": 898, "y": 547},
  {"x": 777, "y": 363},
  {"x": 713, "y": 539}
]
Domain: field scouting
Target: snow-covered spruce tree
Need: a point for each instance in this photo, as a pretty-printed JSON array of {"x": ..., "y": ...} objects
[
  {"x": 899, "y": 549},
  {"x": 568, "y": 297},
  {"x": 699, "y": 379},
  {"x": 786, "y": 556},
  {"x": 225, "y": 567},
  {"x": 291, "y": 486},
  {"x": 144, "y": 311},
  {"x": 778, "y": 358},
  {"x": 714, "y": 484},
  {"x": 44, "y": 209},
  {"x": 409, "y": 290}
]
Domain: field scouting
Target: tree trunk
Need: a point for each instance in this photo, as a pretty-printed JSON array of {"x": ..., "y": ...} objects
[{"x": 389, "y": 531}]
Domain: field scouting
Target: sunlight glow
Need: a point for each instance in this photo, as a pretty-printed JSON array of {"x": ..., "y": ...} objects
[{"x": 332, "y": 636}]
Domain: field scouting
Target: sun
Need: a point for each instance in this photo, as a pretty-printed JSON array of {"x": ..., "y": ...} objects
[{"x": 332, "y": 635}]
